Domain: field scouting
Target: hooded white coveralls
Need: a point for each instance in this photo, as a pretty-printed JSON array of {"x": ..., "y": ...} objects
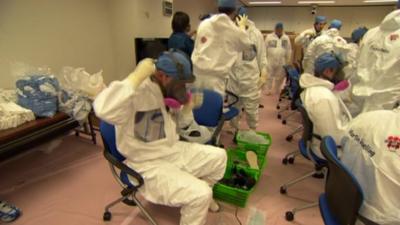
[
  {"x": 279, "y": 53},
  {"x": 327, "y": 111},
  {"x": 305, "y": 38},
  {"x": 218, "y": 44},
  {"x": 245, "y": 75},
  {"x": 371, "y": 152},
  {"x": 329, "y": 41},
  {"x": 175, "y": 173},
  {"x": 379, "y": 65}
]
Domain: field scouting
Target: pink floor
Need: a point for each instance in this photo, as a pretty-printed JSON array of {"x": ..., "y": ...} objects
[{"x": 72, "y": 185}]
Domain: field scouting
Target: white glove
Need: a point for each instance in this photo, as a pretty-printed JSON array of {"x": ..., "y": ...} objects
[
  {"x": 144, "y": 69},
  {"x": 263, "y": 78},
  {"x": 242, "y": 21}
]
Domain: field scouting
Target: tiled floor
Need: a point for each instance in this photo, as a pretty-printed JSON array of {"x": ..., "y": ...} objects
[{"x": 72, "y": 185}]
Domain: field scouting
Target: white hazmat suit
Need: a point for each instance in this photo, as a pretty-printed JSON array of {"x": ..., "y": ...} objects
[
  {"x": 305, "y": 38},
  {"x": 327, "y": 111},
  {"x": 175, "y": 173},
  {"x": 279, "y": 53},
  {"x": 371, "y": 152},
  {"x": 379, "y": 65},
  {"x": 245, "y": 76},
  {"x": 329, "y": 41},
  {"x": 218, "y": 44}
]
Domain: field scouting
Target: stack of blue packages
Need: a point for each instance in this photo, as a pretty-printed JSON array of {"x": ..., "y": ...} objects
[{"x": 39, "y": 94}]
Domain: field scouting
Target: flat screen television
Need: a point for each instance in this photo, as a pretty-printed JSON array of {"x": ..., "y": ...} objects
[{"x": 150, "y": 47}]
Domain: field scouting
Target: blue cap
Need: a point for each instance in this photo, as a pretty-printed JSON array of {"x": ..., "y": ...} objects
[
  {"x": 336, "y": 24},
  {"x": 358, "y": 34},
  {"x": 227, "y": 3},
  {"x": 170, "y": 61},
  {"x": 242, "y": 10},
  {"x": 279, "y": 25},
  {"x": 325, "y": 61},
  {"x": 320, "y": 19}
]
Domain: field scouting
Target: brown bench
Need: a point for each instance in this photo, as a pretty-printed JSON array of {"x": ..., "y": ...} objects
[{"x": 31, "y": 134}]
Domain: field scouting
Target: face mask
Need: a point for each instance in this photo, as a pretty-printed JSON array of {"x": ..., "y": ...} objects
[
  {"x": 342, "y": 85},
  {"x": 172, "y": 103}
]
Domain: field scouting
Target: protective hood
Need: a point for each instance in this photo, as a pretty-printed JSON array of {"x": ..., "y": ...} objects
[
  {"x": 332, "y": 32},
  {"x": 307, "y": 80},
  {"x": 391, "y": 21}
]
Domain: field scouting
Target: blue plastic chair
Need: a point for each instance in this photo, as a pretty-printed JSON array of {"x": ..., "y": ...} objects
[
  {"x": 306, "y": 151},
  {"x": 116, "y": 161},
  {"x": 343, "y": 196},
  {"x": 211, "y": 114}
]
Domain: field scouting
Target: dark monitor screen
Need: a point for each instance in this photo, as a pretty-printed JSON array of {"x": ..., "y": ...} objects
[{"x": 150, "y": 47}]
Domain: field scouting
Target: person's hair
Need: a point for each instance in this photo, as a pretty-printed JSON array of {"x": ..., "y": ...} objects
[
  {"x": 180, "y": 22},
  {"x": 226, "y": 10}
]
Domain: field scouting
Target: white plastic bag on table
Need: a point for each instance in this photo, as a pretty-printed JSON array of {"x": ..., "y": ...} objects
[{"x": 78, "y": 79}]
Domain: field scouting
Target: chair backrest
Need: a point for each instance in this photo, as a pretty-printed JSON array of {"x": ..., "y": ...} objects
[
  {"x": 210, "y": 111},
  {"x": 108, "y": 135},
  {"x": 308, "y": 126},
  {"x": 344, "y": 193}
]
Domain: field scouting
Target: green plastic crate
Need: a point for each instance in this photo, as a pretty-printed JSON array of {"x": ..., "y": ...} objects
[
  {"x": 260, "y": 149},
  {"x": 232, "y": 195},
  {"x": 240, "y": 156}
]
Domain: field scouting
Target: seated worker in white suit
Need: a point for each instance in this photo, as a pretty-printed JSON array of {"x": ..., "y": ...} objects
[
  {"x": 307, "y": 36},
  {"x": 142, "y": 107},
  {"x": 329, "y": 41},
  {"x": 371, "y": 151},
  {"x": 247, "y": 76},
  {"x": 378, "y": 65},
  {"x": 325, "y": 109},
  {"x": 279, "y": 54}
]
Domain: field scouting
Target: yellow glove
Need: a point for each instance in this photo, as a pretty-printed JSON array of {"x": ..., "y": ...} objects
[
  {"x": 242, "y": 21},
  {"x": 144, "y": 69},
  {"x": 263, "y": 78}
]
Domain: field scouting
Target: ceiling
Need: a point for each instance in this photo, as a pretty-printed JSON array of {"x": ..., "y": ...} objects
[{"x": 312, "y": 2}]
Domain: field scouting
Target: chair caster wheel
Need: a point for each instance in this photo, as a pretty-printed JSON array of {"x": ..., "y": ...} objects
[
  {"x": 283, "y": 190},
  {"x": 291, "y": 160},
  {"x": 285, "y": 161},
  {"x": 289, "y": 138},
  {"x": 284, "y": 122},
  {"x": 289, "y": 216},
  {"x": 279, "y": 116},
  {"x": 318, "y": 175},
  {"x": 107, "y": 216}
]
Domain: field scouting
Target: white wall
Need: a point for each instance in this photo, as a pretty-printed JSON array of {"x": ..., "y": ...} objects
[
  {"x": 55, "y": 33},
  {"x": 131, "y": 19},
  {"x": 299, "y": 18},
  {"x": 195, "y": 9}
]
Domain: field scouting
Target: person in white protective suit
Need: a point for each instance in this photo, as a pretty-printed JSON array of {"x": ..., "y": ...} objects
[
  {"x": 244, "y": 79},
  {"x": 371, "y": 151},
  {"x": 279, "y": 54},
  {"x": 329, "y": 41},
  {"x": 178, "y": 174},
  {"x": 218, "y": 44},
  {"x": 352, "y": 102},
  {"x": 378, "y": 65},
  {"x": 307, "y": 36},
  {"x": 327, "y": 111}
]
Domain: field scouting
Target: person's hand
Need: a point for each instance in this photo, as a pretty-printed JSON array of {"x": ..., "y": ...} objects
[
  {"x": 192, "y": 33},
  {"x": 144, "y": 69},
  {"x": 242, "y": 21},
  {"x": 263, "y": 78}
]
